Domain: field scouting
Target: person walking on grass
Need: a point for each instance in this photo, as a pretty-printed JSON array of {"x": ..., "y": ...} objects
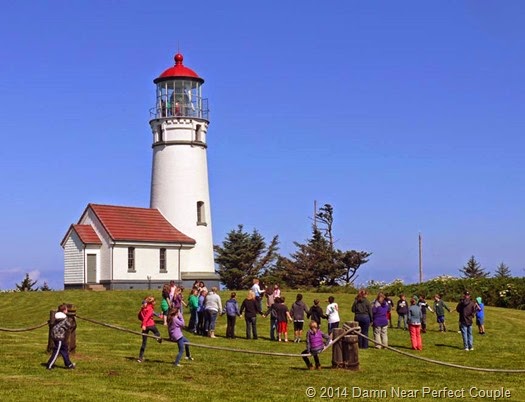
[
  {"x": 315, "y": 342},
  {"x": 363, "y": 315},
  {"x": 298, "y": 312},
  {"x": 380, "y": 310},
  {"x": 439, "y": 308},
  {"x": 402, "y": 311},
  {"x": 466, "y": 309},
  {"x": 59, "y": 332},
  {"x": 414, "y": 324},
  {"x": 332, "y": 312},
  {"x": 175, "y": 325},
  {"x": 250, "y": 308},
  {"x": 232, "y": 312},
  {"x": 480, "y": 315},
  {"x": 145, "y": 315}
]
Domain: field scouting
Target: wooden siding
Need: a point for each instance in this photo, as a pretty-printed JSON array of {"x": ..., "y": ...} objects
[{"x": 73, "y": 260}]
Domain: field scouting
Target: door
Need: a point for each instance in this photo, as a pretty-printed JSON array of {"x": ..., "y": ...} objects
[{"x": 91, "y": 268}]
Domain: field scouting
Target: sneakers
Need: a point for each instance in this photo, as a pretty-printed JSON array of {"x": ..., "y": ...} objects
[
  {"x": 71, "y": 366},
  {"x": 140, "y": 359},
  {"x": 49, "y": 368},
  {"x": 159, "y": 340},
  {"x": 189, "y": 358},
  {"x": 467, "y": 349},
  {"x": 177, "y": 365},
  {"x": 471, "y": 348}
]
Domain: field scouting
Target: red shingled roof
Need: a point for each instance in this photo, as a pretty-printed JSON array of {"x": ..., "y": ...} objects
[
  {"x": 87, "y": 234},
  {"x": 137, "y": 224}
]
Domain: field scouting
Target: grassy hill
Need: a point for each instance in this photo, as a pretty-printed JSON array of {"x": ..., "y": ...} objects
[{"x": 107, "y": 367}]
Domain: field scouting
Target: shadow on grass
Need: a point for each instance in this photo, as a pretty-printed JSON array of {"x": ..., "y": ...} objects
[
  {"x": 442, "y": 345},
  {"x": 134, "y": 359}
]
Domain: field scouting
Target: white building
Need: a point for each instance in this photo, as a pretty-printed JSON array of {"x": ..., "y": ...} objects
[{"x": 128, "y": 247}]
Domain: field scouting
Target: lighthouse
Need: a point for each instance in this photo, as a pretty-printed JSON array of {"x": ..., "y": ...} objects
[{"x": 179, "y": 179}]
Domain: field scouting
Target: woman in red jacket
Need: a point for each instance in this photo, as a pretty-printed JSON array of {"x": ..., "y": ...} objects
[{"x": 146, "y": 317}]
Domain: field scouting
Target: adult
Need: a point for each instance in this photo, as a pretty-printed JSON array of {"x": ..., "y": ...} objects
[
  {"x": 380, "y": 310},
  {"x": 250, "y": 308},
  {"x": 256, "y": 289},
  {"x": 414, "y": 324},
  {"x": 467, "y": 310},
  {"x": 363, "y": 315},
  {"x": 212, "y": 308}
]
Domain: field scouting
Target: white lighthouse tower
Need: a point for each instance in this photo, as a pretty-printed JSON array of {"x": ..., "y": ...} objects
[{"x": 179, "y": 180}]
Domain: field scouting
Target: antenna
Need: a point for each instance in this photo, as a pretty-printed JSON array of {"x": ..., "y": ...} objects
[{"x": 420, "y": 258}]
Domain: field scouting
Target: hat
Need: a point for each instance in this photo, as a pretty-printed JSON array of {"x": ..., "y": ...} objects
[
  {"x": 60, "y": 316},
  {"x": 466, "y": 293},
  {"x": 478, "y": 299}
]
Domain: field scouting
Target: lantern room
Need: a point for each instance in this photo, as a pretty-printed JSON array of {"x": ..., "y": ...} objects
[{"x": 179, "y": 93}]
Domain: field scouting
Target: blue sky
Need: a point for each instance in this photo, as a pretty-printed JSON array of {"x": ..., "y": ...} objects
[{"x": 406, "y": 117}]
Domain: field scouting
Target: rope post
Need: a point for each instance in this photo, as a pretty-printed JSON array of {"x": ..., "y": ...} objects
[
  {"x": 337, "y": 349},
  {"x": 349, "y": 348},
  {"x": 50, "y": 343}
]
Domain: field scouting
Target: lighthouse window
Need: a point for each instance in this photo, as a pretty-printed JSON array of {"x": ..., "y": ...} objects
[
  {"x": 201, "y": 218},
  {"x": 162, "y": 260},
  {"x": 131, "y": 259},
  {"x": 198, "y": 134}
]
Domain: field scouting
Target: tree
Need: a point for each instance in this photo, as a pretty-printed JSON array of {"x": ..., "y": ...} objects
[
  {"x": 244, "y": 256},
  {"x": 473, "y": 270},
  {"x": 502, "y": 271},
  {"x": 352, "y": 261},
  {"x": 26, "y": 285},
  {"x": 45, "y": 287}
]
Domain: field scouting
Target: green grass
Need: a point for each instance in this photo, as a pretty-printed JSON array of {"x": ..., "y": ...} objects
[{"x": 107, "y": 367}]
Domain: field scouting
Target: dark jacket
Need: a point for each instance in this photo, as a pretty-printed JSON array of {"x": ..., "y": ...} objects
[
  {"x": 281, "y": 309},
  {"x": 402, "y": 307},
  {"x": 298, "y": 310},
  {"x": 362, "y": 308},
  {"x": 467, "y": 310},
  {"x": 316, "y": 313},
  {"x": 251, "y": 307}
]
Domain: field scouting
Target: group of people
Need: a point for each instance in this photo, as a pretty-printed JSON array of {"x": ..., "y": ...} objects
[{"x": 412, "y": 316}]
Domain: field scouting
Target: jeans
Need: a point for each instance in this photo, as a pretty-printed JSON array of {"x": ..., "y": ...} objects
[
  {"x": 315, "y": 355},
  {"x": 381, "y": 336},
  {"x": 466, "y": 333},
  {"x": 194, "y": 320},
  {"x": 331, "y": 326},
  {"x": 155, "y": 331},
  {"x": 182, "y": 344},
  {"x": 402, "y": 317},
  {"x": 251, "y": 327},
  {"x": 200, "y": 322},
  {"x": 211, "y": 318},
  {"x": 364, "y": 323}
]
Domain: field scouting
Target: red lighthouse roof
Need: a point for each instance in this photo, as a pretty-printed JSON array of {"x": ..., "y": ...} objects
[{"x": 179, "y": 70}]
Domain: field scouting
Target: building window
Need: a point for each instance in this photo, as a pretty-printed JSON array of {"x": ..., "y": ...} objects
[
  {"x": 198, "y": 133},
  {"x": 162, "y": 260},
  {"x": 160, "y": 133},
  {"x": 201, "y": 216},
  {"x": 131, "y": 259}
]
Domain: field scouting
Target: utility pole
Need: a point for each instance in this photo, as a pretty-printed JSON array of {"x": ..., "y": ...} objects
[
  {"x": 315, "y": 214},
  {"x": 420, "y": 258}
]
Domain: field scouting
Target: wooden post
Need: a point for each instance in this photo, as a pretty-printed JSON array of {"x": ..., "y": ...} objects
[
  {"x": 337, "y": 349},
  {"x": 352, "y": 352}
]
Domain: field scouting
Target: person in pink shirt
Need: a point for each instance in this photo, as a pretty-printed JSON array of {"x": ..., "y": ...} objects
[{"x": 145, "y": 315}]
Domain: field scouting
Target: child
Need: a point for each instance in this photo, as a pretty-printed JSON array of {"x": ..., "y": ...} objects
[
  {"x": 402, "y": 311},
  {"x": 59, "y": 336},
  {"x": 147, "y": 324},
  {"x": 315, "y": 341},
  {"x": 282, "y": 316},
  {"x": 440, "y": 307},
  {"x": 390, "y": 303},
  {"x": 297, "y": 312},
  {"x": 480, "y": 316},
  {"x": 423, "y": 305},
  {"x": 316, "y": 313},
  {"x": 414, "y": 325},
  {"x": 193, "y": 302},
  {"x": 332, "y": 312},
  {"x": 232, "y": 312},
  {"x": 176, "y": 323},
  {"x": 165, "y": 305}
]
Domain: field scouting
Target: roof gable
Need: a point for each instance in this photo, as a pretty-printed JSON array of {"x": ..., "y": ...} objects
[
  {"x": 87, "y": 234},
  {"x": 137, "y": 224}
]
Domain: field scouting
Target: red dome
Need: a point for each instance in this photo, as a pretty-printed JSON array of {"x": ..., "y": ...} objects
[{"x": 178, "y": 71}]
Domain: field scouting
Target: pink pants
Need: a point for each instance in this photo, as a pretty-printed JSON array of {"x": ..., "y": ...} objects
[{"x": 415, "y": 336}]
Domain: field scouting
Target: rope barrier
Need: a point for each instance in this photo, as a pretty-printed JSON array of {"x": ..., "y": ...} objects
[
  {"x": 198, "y": 345},
  {"x": 23, "y": 329},
  {"x": 426, "y": 359}
]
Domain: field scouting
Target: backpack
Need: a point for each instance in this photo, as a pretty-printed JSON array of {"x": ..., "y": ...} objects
[{"x": 58, "y": 331}]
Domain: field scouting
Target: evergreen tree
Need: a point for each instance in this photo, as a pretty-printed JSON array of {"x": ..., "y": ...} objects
[
  {"x": 352, "y": 260},
  {"x": 473, "y": 269},
  {"x": 26, "y": 285},
  {"x": 244, "y": 256},
  {"x": 45, "y": 287},
  {"x": 502, "y": 271}
]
